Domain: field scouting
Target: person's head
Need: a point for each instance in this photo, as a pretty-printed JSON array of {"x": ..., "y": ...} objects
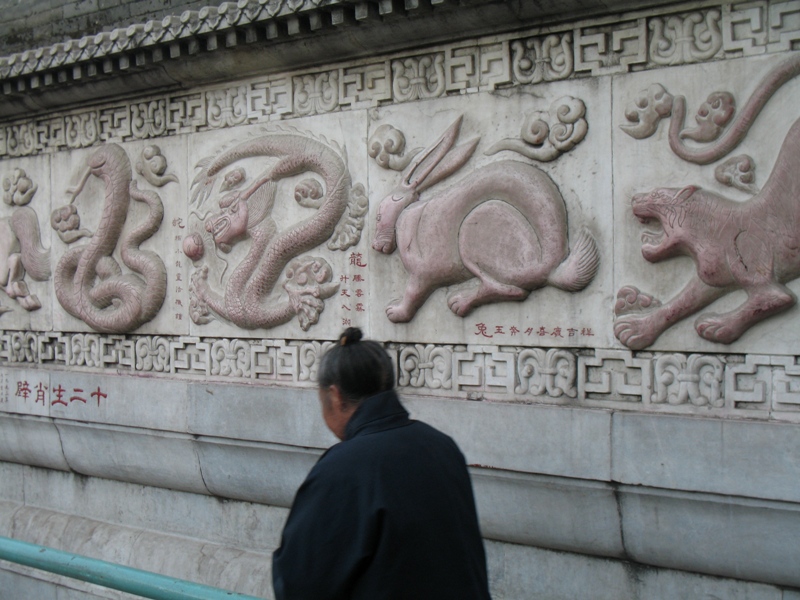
[{"x": 348, "y": 373}]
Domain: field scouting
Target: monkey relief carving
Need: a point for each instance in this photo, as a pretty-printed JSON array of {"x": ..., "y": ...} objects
[
  {"x": 752, "y": 245},
  {"x": 21, "y": 250},
  {"x": 503, "y": 227},
  {"x": 245, "y": 217}
]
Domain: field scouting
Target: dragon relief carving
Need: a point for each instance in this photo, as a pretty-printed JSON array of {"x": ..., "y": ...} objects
[
  {"x": 503, "y": 227},
  {"x": 753, "y": 245},
  {"x": 89, "y": 281},
  {"x": 244, "y": 215},
  {"x": 21, "y": 250}
]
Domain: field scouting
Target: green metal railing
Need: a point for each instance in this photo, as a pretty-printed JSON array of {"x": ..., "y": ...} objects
[{"x": 110, "y": 575}]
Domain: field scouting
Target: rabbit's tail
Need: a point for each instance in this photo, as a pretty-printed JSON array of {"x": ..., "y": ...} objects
[{"x": 580, "y": 266}]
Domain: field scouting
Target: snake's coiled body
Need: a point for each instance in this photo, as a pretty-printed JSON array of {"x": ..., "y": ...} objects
[{"x": 118, "y": 302}]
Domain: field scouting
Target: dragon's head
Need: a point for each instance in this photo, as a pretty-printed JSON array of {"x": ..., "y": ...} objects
[
  {"x": 664, "y": 211},
  {"x": 230, "y": 224}
]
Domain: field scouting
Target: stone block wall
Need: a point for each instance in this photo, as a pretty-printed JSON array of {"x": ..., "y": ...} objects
[{"x": 491, "y": 208}]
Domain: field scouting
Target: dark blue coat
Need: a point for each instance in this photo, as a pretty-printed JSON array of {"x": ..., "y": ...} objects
[{"x": 387, "y": 514}]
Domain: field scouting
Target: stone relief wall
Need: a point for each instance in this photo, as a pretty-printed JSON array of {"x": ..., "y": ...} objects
[{"x": 478, "y": 204}]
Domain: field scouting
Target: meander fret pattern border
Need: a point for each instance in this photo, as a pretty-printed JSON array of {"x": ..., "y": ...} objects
[
  {"x": 601, "y": 48},
  {"x": 749, "y": 386}
]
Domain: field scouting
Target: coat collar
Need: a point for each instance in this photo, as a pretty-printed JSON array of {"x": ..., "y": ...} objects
[{"x": 377, "y": 413}]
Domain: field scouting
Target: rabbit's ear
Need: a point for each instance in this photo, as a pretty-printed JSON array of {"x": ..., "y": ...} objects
[
  {"x": 450, "y": 163},
  {"x": 420, "y": 168}
]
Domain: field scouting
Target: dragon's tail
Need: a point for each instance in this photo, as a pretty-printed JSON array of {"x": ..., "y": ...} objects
[{"x": 580, "y": 267}]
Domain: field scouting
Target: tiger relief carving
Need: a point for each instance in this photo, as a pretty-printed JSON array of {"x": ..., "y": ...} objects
[{"x": 752, "y": 245}]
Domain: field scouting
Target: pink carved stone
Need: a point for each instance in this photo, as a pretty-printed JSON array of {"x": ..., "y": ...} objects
[
  {"x": 503, "y": 225},
  {"x": 246, "y": 214},
  {"x": 89, "y": 281},
  {"x": 752, "y": 245},
  {"x": 21, "y": 252},
  {"x": 193, "y": 246}
]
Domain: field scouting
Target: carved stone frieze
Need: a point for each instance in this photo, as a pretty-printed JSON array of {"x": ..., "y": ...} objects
[
  {"x": 784, "y": 26},
  {"x": 149, "y": 119},
  {"x": 316, "y": 93},
  {"x": 696, "y": 379},
  {"x": 786, "y": 384},
  {"x": 81, "y": 130},
  {"x": 418, "y": 77},
  {"x": 424, "y": 366},
  {"x": 539, "y": 59},
  {"x": 226, "y": 107},
  {"x": 728, "y": 30},
  {"x": 610, "y": 49},
  {"x": 749, "y": 384},
  {"x": 365, "y": 85},
  {"x": 544, "y": 372},
  {"x": 755, "y": 386},
  {"x": 614, "y": 375},
  {"x": 744, "y": 27},
  {"x": 681, "y": 39}
]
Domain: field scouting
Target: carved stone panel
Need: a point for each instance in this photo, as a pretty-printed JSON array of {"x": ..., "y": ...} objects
[
  {"x": 26, "y": 257},
  {"x": 115, "y": 221},
  {"x": 274, "y": 217},
  {"x": 705, "y": 208},
  {"x": 486, "y": 220}
]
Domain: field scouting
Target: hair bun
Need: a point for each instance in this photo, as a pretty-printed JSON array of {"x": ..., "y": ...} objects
[{"x": 351, "y": 335}]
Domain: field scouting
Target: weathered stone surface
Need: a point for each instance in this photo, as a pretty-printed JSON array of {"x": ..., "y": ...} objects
[
  {"x": 263, "y": 414},
  {"x": 740, "y": 458},
  {"x": 548, "y": 512},
  {"x": 136, "y": 455},
  {"x": 519, "y": 572},
  {"x": 31, "y": 441},
  {"x": 233, "y": 569},
  {"x": 754, "y": 540},
  {"x": 242, "y": 524},
  {"x": 254, "y": 472},
  {"x": 548, "y": 440}
]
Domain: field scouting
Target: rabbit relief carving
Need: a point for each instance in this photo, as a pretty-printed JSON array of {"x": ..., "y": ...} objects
[{"x": 504, "y": 225}]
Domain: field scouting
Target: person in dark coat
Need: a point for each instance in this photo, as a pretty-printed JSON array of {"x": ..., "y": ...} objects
[{"x": 386, "y": 514}]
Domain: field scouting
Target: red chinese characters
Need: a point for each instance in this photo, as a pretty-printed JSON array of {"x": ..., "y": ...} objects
[{"x": 487, "y": 331}]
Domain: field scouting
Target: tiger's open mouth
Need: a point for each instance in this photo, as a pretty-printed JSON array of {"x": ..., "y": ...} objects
[{"x": 654, "y": 234}]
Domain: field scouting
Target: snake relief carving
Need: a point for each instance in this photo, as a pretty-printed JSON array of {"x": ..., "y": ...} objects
[
  {"x": 21, "y": 250},
  {"x": 502, "y": 226},
  {"x": 753, "y": 245},
  {"x": 89, "y": 281},
  {"x": 245, "y": 215}
]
